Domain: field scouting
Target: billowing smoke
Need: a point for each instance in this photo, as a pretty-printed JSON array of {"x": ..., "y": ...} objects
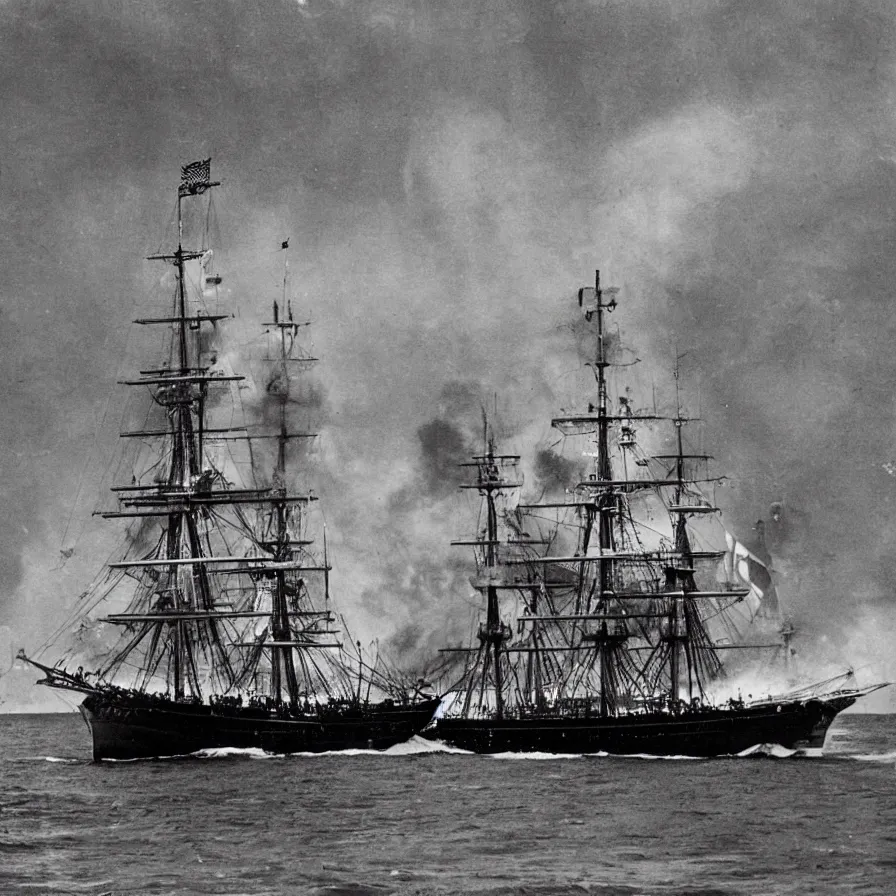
[
  {"x": 419, "y": 581},
  {"x": 554, "y": 472}
]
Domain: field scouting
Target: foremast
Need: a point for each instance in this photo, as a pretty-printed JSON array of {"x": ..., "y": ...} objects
[{"x": 494, "y": 476}]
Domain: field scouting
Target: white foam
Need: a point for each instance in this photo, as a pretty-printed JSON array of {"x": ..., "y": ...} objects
[
  {"x": 536, "y": 755},
  {"x": 209, "y": 753},
  {"x": 323, "y": 753},
  {"x": 876, "y": 757},
  {"x": 420, "y": 745},
  {"x": 228, "y": 752},
  {"x": 675, "y": 757},
  {"x": 774, "y": 750},
  {"x": 415, "y": 746}
]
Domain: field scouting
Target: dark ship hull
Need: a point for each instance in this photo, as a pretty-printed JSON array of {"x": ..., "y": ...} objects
[
  {"x": 122, "y": 728},
  {"x": 798, "y": 725}
]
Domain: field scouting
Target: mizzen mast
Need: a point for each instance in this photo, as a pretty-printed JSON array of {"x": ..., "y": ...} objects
[{"x": 284, "y": 642}]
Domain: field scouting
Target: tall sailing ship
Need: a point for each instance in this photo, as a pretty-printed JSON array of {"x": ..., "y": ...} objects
[
  {"x": 607, "y": 630},
  {"x": 222, "y": 598}
]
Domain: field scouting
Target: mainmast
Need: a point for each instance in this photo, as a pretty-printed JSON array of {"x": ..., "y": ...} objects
[
  {"x": 606, "y": 508},
  {"x": 182, "y": 537},
  {"x": 492, "y": 479}
]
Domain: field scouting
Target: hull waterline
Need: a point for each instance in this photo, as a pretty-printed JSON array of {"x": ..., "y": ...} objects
[
  {"x": 705, "y": 732},
  {"x": 123, "y": 730}
]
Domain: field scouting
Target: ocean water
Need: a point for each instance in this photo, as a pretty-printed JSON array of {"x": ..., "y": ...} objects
[{"x": 418, "y": 821}]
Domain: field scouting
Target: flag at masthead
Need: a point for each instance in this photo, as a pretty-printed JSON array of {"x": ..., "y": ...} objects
[{"x": 195, "y": 178}]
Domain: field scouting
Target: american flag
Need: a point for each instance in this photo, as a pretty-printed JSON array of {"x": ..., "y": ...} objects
[{"x": 195, "y": 177}]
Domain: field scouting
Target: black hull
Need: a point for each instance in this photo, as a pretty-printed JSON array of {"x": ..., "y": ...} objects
[
  {"x": 703, "y": 732},
  {"x": 125, "y": 729}
]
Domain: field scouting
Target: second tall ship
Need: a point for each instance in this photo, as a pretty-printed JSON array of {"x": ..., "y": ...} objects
[
  {"x": 221, "y": 595},
  {"x": 605, "y": 623}
]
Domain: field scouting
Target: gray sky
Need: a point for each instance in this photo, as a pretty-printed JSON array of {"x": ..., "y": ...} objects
[{"x": 449, "y": 174}]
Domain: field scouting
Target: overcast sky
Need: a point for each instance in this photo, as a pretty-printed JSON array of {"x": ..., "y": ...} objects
[{"x": 449, "y": 173}]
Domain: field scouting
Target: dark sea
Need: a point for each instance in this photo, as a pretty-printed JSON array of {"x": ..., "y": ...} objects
[{"x": 413, "y": 821}]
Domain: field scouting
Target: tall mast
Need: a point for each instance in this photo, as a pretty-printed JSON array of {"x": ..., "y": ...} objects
[
  {"x": 600, "y": 363},
  {"x": 283, "y": 670},
  {"x": 686, "y": 634},
  {"x": 681, "y": 575},
  {"x": 491, "y": 479},
  {"x": 604, "y": 639},
  {"x": 184, "y": 465},
  {"x": 495, "y": 633},
  {"x": 284, "y": 377}
]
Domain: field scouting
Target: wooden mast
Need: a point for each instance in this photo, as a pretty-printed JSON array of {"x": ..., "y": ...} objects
[
  {"x": 495, "y": 632},
  {"x": 179, "y": 417},
  {"x": 282, "y": 659},
  {"x": 182, "y": 539},
  {"x": 490, "y": 481},
  {"x": 605, "y": 640}
]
